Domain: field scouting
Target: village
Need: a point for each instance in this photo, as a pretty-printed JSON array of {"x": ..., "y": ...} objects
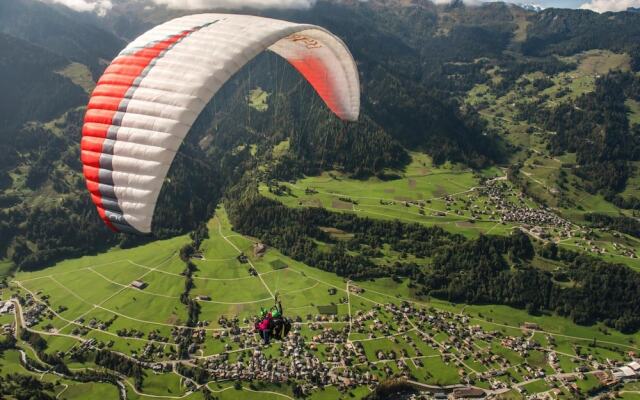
[
  {"x": 493, "y": 206},
  {"x": 387, "y": 341},
  {"x": 502, "y": 203},
  {"x": 495, "y": 203}
]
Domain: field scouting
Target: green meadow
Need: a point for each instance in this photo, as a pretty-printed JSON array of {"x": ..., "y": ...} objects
[
  {"x": 98, "y": 288},
  {"x": 258, "y": 99},
  {"x": 79, "y": 74},
  {"x": 447, "y": 195},
  {"x": 418, "y": 195}
]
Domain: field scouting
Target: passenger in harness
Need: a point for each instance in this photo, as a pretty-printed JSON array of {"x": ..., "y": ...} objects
[
  {"x": 263, "y": 325},
  {"x": 272, "y": 323}
]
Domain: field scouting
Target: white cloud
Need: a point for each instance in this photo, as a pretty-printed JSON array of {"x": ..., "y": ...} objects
[
  {"x": 610, "y": 5},
  {"x": 234, "y": 4},
  {"x": 100, "y": 7}
]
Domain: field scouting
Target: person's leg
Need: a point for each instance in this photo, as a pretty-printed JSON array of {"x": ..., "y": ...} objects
[{"x": 266, "y": 336}]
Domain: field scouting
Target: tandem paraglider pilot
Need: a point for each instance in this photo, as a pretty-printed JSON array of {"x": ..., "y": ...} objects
[{"x": 272, "y": 323}]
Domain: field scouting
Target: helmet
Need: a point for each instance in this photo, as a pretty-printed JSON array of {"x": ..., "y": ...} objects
[
  {"x": 263, "y": 312},
  {"x": 275, "y": 314}
]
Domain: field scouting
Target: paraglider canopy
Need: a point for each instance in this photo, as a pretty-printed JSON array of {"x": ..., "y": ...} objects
[{"x": 153, "y": 91}]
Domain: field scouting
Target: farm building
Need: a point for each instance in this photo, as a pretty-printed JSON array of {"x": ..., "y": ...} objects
[
  {"x": 6, "y": 307},
  {"x": 139, "y": 284},
  {"x": 356, "y": 289},
  {"x": 625, "y": 373},
  {"x": 259, "y": 249}
]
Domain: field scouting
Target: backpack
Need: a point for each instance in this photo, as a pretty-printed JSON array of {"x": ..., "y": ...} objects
[
  {"x": 287, "y": 327},
  {"x": 276, "y": 330}
]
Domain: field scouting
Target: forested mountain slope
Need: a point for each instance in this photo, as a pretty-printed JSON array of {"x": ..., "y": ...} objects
[
  {"x": 418, "y": 62},
  {"x": 31, "y": 88},
  {"x": 70, "y": 34}
]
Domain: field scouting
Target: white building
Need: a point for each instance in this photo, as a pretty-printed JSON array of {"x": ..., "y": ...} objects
[
  {"x": 625, "y": 373},
  {"x": 6, "y": 307}
]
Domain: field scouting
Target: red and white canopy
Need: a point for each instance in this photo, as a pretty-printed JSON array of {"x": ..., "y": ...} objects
[{"x": 153, "y": 91}]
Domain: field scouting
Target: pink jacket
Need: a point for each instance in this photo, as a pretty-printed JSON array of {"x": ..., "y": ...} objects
[{"x": 264, "y": 325}]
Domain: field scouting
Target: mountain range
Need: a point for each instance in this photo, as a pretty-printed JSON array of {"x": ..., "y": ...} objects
[
  {"x": 417, "y": 60},
  {"x": 486, "y": 201}
]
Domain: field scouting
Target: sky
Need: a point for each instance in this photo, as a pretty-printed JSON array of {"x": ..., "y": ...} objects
[
  {"x": 101, "y": 7},
  {"x": 595, "y": 5}
]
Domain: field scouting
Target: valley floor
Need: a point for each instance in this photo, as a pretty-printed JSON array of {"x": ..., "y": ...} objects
[
  {"x": 369, "y": 330},
  {"x": 458, "y": 200}
]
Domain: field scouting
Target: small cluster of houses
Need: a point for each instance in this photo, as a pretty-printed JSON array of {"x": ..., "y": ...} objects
[
  {"x": 625, "y": 251},
  {"x": 6, "y": 307},
  {"x": 630, "y": 371},
  {"x": 499, "y": 198},
  {"x": 503, "y": 204},
  {"x": 33, "y": 311}
]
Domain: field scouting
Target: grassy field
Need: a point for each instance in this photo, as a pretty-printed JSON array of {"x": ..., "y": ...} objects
[
  {"x": 420, "y": 195},
  {"x": 258, "y": 99},
  {"x": 600, "y": 62},
  {"x": 97, "y": 288},
  {"x": 80, "y": 75},
  {"x": 564, "y": 331},
  {"x": 5, "y": 267},
  {"x": 280, "y": 149},
  {"x": 631, "y": 391},
  {"x": 536, "y": 387},
  {"x": 90, "y": 391}
]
